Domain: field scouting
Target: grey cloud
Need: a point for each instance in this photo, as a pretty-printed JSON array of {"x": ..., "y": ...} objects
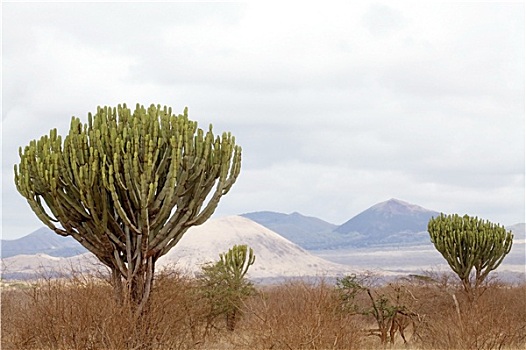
[
  {"x": 383, "y": 20},
  {"x": 114, "y": 26}
]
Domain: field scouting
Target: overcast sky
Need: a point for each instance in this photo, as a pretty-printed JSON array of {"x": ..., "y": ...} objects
[{"x": 337, "y": 107}]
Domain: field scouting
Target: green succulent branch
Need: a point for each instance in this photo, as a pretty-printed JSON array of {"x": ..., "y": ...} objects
[
  {"x": 237, "y": 260},
  {"x": 127, "y": 185}
]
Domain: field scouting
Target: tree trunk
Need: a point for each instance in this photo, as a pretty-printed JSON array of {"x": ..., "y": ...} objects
[
  {"x": 134, "y": 290},
  {"x": 118, "y": 288},
  {"x": 140, "y": 286},
  {"x": 472, "y": 292},
  {"x": 231, "y": 318}
]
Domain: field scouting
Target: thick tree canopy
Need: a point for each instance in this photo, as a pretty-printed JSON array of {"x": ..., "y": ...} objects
[{"x": 128, "y": 185}]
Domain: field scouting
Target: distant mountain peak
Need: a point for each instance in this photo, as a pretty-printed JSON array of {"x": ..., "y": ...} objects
[
  {"x": 275, "y": 255},
  {"x": 390, "y": 222},
  {"x": 397, "y": 206}
]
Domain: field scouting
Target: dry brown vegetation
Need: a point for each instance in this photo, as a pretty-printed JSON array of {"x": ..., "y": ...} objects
[{"x": 80, "y": 313}]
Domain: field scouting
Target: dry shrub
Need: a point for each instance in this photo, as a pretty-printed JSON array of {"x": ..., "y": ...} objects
[
  {"x": 298, "y": 315},
  {"x": 54, "y": 313},
  {"x": 80, "y": 313},
  {"x": 496, "y": 321}
]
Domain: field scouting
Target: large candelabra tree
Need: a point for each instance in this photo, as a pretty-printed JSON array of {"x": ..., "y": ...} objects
[{"x": 127, "y": 186}]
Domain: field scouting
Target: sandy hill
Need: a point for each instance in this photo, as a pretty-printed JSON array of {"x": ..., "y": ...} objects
[{"x": 276, "y": 257}]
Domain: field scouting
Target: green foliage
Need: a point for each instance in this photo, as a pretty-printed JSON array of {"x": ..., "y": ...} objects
[
  {"x": 127, "y": 185},
  {"x": 224, "y": 284},
  {"x": 469, "y": 243},
  {"x": 348, "y": 289},
  {"x": 378, "y": 305},
  {"x": 381, "y": 308}
]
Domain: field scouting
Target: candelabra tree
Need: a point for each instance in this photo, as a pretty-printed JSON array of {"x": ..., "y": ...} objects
[
  {"x": 225, "y": 286},
  {"x": 127, "y": 186},
  {"x": 469, "y": 243}
]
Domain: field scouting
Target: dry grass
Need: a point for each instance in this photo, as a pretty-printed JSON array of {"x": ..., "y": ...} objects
[
  {"x": 496, "y": 321},
  {"x": 79, "y": 313},
  {"x": 82, "y": 314},
  {"x": 298, "y": 315}
]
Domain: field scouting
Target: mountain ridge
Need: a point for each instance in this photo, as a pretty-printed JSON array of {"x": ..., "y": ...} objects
[
  {"x": 307, "y": 231},
  {"x": 43, "y": 241},
  {"x": 389, "y": 223},
  {"x": 276, "y": 257}
]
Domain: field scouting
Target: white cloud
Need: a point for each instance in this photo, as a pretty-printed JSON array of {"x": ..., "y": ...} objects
[{"x": 337, "y": 107}]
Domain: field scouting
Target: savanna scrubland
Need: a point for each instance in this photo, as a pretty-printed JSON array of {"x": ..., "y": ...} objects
[{"x": 80, "y": 312}]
